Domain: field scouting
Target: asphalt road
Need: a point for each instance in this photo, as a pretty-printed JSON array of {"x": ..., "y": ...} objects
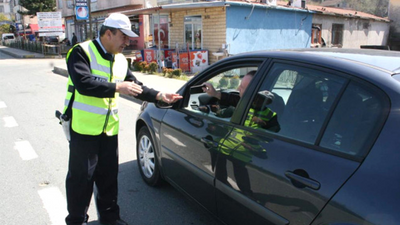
[{"x": 34, "y": 156}]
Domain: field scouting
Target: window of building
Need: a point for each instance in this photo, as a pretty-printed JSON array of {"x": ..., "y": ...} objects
[
  {"x": 1, "y": 9},
  {"x": 193, "y": 32},
  {"x": 135, "y": 25},
  {"x": 337, "y": 35}
]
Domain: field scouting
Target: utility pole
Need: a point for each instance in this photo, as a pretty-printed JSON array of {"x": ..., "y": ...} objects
[{"x": 90, "y": 19}]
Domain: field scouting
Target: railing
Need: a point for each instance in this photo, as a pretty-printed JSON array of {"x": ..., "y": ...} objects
[{"x": 39, "y": 47}]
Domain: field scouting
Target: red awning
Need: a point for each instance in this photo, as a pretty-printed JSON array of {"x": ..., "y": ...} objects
[{"x": 34, "y": 27}]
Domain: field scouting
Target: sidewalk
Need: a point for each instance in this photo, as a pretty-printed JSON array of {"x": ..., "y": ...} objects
[
  {"x": 156, "y": 82},
  {"x": 19, "y": 53}
]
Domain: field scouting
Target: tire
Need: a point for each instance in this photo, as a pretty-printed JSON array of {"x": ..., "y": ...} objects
[{"x": 147, "y": 158}]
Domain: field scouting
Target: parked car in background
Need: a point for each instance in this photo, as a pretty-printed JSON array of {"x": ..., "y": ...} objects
[
  {"x": 334, "y": 160},
  {"x": 7, "y": 37}
]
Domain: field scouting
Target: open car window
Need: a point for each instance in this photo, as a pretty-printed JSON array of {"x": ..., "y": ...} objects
[{"x": 226, "y": 81}]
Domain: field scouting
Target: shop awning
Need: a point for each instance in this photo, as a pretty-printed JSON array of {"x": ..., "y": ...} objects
[{"x": 173, "y": 8}]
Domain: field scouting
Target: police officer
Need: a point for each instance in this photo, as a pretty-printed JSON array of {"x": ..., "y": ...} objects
[{"x": 98, "y": 73}]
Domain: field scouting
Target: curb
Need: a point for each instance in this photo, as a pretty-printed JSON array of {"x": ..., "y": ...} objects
[
  {"x": 29, "y": 56},
  {"x": 10, "y": 53}
]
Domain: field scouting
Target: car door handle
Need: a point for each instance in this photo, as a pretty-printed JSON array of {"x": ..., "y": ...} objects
[
  {"x": 209, "y": 142},
  {"x": 301, "y": 181}
]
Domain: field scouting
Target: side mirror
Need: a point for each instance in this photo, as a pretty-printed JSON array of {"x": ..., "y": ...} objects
[
  {"x": 197, "y": 89},
  {"x": 163, "y": 105}
]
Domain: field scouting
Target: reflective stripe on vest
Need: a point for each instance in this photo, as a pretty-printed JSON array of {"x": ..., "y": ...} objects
[
  {"x": 92, "y": 115},
  {"x": 265, "y": 115}
]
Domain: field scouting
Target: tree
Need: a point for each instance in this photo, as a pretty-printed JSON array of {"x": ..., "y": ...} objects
[
  {"x": 5, "y": 28},
  {"x": 375, "y": 7},
  {"x": 34, "y": 6}
]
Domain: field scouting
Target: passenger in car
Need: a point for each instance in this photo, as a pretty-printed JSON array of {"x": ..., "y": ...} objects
[{"x": 260, "y": 115}]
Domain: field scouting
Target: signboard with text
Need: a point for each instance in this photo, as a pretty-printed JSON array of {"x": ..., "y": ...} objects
[{"x": 49, "y": 21}]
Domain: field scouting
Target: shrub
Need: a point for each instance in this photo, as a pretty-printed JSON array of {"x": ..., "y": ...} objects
[
  {"x": 223, "y": 82},
  {"x": 137, "y": 66},
  {"x": 146, "y": 68},
  {"x": 234, "y": 82},
  {"x": 169, "y": 73},
  {"x": 177, "y": 72},
  {"x": 165, "y": 71},
  {"x": 142, "y": 66},
  {"x": 152, "y": 68}
]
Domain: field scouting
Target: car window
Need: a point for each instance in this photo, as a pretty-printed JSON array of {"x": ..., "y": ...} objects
[
  {"x": 354, "y": 120},
  {"x": 300, "y": 101},
  {"x": 227, "y": 82}
]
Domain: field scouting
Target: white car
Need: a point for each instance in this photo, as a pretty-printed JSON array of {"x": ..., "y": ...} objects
[{"x": 7, "y": 37}]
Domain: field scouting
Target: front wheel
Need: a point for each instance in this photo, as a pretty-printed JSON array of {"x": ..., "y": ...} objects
[{"x": 147, "y": 158}]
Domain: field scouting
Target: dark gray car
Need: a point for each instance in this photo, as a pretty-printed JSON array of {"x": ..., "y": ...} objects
[{"x": 333, "y": 160}]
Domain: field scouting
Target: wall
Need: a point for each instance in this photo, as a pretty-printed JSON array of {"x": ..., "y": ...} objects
[
  {"x": 213, "y": 25},
  {"x": 265, "y": 28},
  {"x": 354, "y": 33}
]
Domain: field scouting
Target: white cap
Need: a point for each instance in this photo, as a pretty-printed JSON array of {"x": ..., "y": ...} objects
[{"x": 120, "y": 21}]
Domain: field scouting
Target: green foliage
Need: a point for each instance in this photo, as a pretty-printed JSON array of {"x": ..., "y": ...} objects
[
  {"x": 223, "y": 82},
  {"x": 142, "y": 66},
  {"x": 5, "y": 28},
  {"x": 34, "y": 6},
  {"x": 167, "y": 72},
  {"x": 137, "y": 66},
  {"x": 234, "y": 82},
  {"x": 375, "y": 7},
  {"x": 177, "y": 72},
  {"x": 152, "y": 68}
]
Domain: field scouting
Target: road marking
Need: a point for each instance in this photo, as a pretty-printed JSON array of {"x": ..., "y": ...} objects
[
  {"x": 55, "y": 204},
  {"x": 25, "y": 150},
  {"x": 3, "y": 105},
  {"x": 10, "y": 121}
]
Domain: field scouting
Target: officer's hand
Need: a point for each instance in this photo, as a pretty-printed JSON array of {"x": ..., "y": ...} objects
[{"x": 129, "y": 88}]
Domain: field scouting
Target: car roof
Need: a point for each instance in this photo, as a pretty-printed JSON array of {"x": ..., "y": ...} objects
[{"x": 380, "y": 59}]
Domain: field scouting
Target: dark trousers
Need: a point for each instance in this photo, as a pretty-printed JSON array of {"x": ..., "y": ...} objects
[{"x": 93, "y": 160}]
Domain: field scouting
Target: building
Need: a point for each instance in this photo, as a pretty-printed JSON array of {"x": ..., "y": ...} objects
[
  {"x": 100, "y": 9},
  {"x": 231, "y": 27},
  {"x": 346, "y": 28},
  {"x": 5, "y": 8}
]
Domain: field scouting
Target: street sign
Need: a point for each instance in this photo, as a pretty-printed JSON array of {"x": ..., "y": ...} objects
[{"x": 82, "y": 12}]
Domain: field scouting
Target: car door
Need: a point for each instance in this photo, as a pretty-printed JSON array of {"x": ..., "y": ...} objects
[
  {"x": 282, "y": 175},
  {"x": 191, "y": 134}
]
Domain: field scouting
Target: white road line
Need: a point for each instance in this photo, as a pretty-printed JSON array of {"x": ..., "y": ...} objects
[
  {"x": 25, "y": 150},
  {"x": 10, "y": 121},
  {"x": 55, "y": 204},
  {"x": 2, "y": 105}
]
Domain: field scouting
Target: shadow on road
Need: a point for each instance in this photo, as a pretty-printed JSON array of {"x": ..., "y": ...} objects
[{"x": 145, "y": 205}]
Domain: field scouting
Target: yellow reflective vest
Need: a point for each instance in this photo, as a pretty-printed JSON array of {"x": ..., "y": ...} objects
[
  {"x": 92, "y": 115},
  {"x": 238, "y": 144}
]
